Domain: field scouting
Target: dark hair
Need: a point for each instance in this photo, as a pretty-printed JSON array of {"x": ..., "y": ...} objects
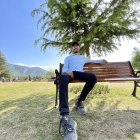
[{"x": 75, "y": 43}]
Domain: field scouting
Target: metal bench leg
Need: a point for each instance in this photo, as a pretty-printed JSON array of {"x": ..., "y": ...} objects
[
  {"x": 135, "y": 89},
  {"x": 56, "y": 97}
]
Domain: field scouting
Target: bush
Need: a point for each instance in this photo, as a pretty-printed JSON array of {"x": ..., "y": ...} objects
[
  {"x": 76, "y": 89},
  {"x": 98, "y": 89}
]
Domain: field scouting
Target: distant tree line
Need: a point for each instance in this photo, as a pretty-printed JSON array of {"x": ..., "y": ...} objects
[{"x": 48, "y": 77}]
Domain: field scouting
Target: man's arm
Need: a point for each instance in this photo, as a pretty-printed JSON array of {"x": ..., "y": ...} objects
[
  {"x": 66, "y": 69},
  {"x": 87, "y": 60},
  {"x": 66, "y": 65},
  {"x": 99, "y": 61}
]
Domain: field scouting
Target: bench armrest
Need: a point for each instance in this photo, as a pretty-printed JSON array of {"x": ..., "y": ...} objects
[
  {"x": 137, "y": 72},
  {"x": 57, "y": 76},
  {"x": 56, "y": 71}
]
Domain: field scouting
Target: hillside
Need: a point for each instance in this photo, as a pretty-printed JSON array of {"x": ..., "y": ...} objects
[{"x": 18, "y": 70}]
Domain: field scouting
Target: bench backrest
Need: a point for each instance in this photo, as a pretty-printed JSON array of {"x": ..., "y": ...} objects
[{"x": 109, "y": 70}]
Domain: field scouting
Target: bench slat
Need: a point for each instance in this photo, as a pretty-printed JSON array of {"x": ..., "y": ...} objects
[
  {"x": 92, "y": 66},
  {"x": 112, "y": 74},
  {"x": 105, "y": 68},
  {"x": 110, "y": 63},
  {"x": 109, "y": 70},
  {"x": 123, "y": 79},
  {"x": 111, "y": 80}
]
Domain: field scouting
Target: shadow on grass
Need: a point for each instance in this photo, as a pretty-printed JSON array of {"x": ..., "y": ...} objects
[
  {"x": 36, "y": 118},
  {"x": 107, "y": 122},
  {"x": 33, "y": 117}
]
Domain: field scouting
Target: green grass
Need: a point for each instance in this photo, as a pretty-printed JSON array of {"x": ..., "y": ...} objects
[{"x": 27, "y": 113}]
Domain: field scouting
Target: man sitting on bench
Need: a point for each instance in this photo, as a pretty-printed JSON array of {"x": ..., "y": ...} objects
[{"x": 73, "y": 69}]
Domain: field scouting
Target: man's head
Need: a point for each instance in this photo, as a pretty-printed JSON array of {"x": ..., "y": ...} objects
[{"x": 75, "y": 47}]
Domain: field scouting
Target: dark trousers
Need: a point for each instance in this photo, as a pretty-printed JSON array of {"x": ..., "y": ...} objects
[{"x": 90, "y": 80}]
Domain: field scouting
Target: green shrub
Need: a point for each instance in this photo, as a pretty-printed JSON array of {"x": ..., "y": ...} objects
[
  {"x": 76, "y": 89},
  {"x": 98, "y": 89}
]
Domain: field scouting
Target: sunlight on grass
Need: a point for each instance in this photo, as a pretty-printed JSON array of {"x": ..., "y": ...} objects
[
  {"x": 13, "y": 91},
  {"x": 49, "y": 108},
  {"x": 137, "y": 136},
  {"x": 9, "y": 109}
]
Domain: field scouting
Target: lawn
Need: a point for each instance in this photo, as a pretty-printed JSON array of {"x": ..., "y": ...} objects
[{"x": 27, "y": 113}]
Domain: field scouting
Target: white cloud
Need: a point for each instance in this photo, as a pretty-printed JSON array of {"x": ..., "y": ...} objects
[{"x": 21, "y": 64}]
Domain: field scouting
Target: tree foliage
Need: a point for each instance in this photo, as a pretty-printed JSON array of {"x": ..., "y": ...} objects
[
  {"x": 98, "y": 24},
  {"x": 136, "y": 58},
  {"x": 3, "y": 66},
  {"x": 50, "y": 73}
]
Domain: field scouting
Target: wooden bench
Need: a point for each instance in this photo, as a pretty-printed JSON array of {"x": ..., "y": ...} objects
[{"x": 106, "y": 72}]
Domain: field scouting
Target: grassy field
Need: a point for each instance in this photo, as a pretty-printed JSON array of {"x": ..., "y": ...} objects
[{"x": 27, "y": 113}]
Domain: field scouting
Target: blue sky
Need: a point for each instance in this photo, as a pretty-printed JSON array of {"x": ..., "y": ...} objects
[{"x": 18, "y": 31}]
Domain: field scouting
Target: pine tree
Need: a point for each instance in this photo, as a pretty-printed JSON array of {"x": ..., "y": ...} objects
[
  {"x": 3, "y": 66},
  {"x": 136, "y": 59},
  {"x": 98, "y": 24}
]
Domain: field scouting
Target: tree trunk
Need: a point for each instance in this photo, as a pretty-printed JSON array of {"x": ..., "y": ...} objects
[
  {"x": 87, "y": 52},
  {"x": 87, "y": 44}
]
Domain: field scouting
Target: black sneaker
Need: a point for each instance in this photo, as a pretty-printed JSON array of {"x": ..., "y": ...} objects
[
  {"x": 80, "y": 107},
  {"x": 69, "y": 127}
]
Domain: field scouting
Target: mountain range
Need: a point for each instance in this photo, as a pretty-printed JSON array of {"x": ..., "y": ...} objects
[{"x": 18, "y": 70}]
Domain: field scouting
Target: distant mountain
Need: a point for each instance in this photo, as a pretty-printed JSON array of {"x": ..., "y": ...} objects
[{"x": 18, "y": 70}]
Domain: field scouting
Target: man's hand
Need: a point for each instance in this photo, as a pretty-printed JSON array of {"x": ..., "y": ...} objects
[
  {"x": 70, "y": 73},
  {"x": 104, "y": 61}
]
